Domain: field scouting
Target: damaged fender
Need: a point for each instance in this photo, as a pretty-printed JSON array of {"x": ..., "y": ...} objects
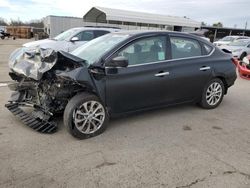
[{"x": 45, "y": 80}]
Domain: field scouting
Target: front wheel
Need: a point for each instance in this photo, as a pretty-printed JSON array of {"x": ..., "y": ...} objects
[
  {"x": 213, "y": 94},
  {"x": 85, "y": 116}
]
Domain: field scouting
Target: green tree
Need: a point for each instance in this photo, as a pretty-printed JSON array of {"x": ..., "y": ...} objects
[{"x": 219, "y": 24}]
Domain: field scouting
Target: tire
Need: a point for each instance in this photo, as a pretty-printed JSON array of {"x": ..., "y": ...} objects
[
  {"x": 2, "y": 37},
  {"x": 78, "y": 113},
  {"x": 244, "y": 54},
  {"x": 216, "y": 96}
]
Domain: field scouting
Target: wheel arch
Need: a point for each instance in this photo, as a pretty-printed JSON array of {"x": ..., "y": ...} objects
[{"x": 224, "y": 82}]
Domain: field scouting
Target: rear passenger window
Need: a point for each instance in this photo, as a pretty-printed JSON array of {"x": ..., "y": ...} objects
[
  {"x": 184, "y": 47},
  {"x": 208, "y": 49},
  {"x": 146, "y": 50},
  {"x": 99, "y": 33}
]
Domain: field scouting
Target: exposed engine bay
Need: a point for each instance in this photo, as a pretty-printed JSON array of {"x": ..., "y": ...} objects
[{"x": 44, "y": 80}]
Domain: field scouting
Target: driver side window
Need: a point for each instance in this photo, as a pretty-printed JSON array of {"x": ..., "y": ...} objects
[
  {"x": 145, "y": 50},
  {"x": 85, "y": 35}
]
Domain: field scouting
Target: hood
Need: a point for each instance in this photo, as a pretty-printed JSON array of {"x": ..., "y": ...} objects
[
  {"x": 220, "y": 43},
  {"x": 48, "y": 43},
  {"x": 34, "y": 62},
  {"x": 231, "y": 48},
  {"x": 38, "y": 42}
]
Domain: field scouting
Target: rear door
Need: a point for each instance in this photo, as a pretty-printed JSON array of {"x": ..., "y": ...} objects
[{"x": 190, "y": 66}]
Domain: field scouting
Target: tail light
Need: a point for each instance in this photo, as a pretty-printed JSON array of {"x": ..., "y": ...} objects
[{"x": 235, "y": 61}]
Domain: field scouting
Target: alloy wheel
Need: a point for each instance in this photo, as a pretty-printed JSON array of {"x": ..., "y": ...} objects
[
  {"x": 89, "y": 117},
  {"x": 214, "y": 93}
]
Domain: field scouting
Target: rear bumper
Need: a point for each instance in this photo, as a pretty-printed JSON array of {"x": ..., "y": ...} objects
[{"x": 244, "y": 72}]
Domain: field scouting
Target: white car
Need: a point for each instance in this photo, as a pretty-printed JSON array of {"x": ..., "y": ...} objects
[
  {"x": 239, "y": 48},
  {"x": 70, "y": 39},
  {"x": 228, "y": 39}
]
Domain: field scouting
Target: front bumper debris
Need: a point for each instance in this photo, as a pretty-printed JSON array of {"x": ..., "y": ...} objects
[{"x": 32, "y": 121}]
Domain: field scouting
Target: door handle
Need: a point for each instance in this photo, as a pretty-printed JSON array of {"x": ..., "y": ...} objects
[
  {"x": 161, "y": 74},
  {"x": 205, "y": 68}
]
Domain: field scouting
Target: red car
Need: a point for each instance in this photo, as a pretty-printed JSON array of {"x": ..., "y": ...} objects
[{"x": 244, "y": 68}]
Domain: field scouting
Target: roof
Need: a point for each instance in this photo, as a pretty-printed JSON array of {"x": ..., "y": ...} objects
[
  {"x": 94, "y": 28},
  {"x": 139, "y": 17},
  {"x": 225, "y": 28},
  {"x": 149, "y": 32}
]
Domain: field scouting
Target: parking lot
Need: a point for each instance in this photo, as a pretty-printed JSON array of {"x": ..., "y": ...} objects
[{"x": 177, "y": 147}]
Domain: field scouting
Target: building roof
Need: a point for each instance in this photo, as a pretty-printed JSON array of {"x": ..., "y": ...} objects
[
  {"x": 107, "y": 14},
  {"x": 225, "y": 28}
]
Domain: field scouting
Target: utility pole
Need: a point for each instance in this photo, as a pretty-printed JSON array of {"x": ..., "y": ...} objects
[{"x": 245, "y": 29}]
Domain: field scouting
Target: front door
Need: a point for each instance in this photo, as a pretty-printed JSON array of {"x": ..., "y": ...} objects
[{"x": 145, "y": 82}]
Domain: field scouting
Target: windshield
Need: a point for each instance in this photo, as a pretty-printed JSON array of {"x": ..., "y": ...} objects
[
  {"x": 229, "y": 39},
  {"x": 66, "y": 34},
  {"x": 93, "y": 50},
  {"x": 239, "y": 43}
]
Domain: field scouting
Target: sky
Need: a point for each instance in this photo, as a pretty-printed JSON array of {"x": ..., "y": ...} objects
[{"x": 230, "y": 12}]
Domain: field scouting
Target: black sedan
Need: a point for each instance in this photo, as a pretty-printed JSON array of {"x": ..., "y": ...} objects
[{"x": 116, "y": 74}]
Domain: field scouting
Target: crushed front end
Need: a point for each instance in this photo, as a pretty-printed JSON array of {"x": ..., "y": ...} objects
[{"x": 44, "y": 81}]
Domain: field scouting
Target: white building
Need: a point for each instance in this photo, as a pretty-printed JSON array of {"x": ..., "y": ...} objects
[
  {"x": 53, "y": 25},
  {"x": 100, "y": 16}
]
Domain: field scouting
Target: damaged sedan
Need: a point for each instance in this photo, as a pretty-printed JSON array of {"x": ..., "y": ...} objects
[{"x": 118, "y": 73}]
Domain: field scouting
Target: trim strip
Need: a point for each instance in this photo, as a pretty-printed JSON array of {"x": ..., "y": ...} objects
[
  {"x": 174, "y": 59},
  {"x": 167, "y": 60}
]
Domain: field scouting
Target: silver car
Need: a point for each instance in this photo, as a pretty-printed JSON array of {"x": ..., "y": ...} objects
[
  {"x": 239, "y": 48},
  {"x": 228, "y": 39},
  {"x": 71, "y": 39}
]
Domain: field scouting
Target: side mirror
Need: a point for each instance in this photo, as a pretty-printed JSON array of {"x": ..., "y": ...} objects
[
  {"x": 74, "y": 39},
  {"x": 119, "y": 61}
]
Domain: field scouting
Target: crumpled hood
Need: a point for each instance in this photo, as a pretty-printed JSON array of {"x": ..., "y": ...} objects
[{"x": 32, "y": 62}]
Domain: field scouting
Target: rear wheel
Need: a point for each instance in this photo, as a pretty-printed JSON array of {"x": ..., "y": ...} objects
[
  {"x": 85, "y": 116},
  {"x": 213, "y": 94}
]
